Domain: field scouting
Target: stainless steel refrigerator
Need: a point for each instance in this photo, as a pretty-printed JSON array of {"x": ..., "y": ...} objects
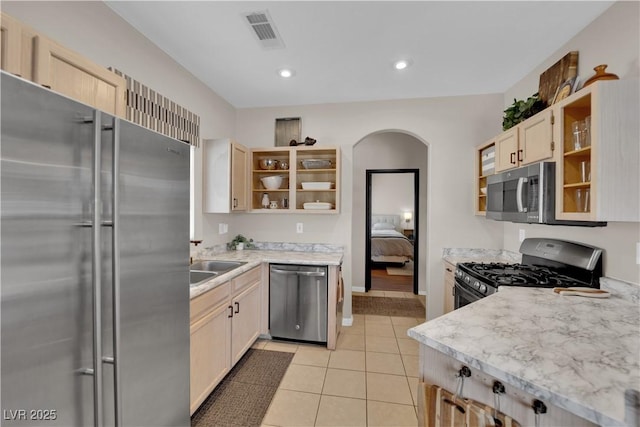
[{"x": 94, "y": 266}]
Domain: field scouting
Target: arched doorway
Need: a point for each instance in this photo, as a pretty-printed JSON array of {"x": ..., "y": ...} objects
[{"x": 387, "y": 150}]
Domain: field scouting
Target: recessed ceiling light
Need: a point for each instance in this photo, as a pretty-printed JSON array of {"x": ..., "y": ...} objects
[
  {"x": 286, "y": 73},
  {"x": 402, "y": 64}
]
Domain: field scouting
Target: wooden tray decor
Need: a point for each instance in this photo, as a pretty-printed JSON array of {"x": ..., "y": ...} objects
[{"x": 557, "y": 74}]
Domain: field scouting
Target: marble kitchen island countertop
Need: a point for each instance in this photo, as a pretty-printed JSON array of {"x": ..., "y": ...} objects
[
  {"x": 577, "y": 353},
  {"x": 253, "y": 258}
]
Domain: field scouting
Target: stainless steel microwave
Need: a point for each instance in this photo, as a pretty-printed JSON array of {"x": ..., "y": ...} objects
[
  {"x": 527, "y": 194},
  {"x": 523, "y": 195}
]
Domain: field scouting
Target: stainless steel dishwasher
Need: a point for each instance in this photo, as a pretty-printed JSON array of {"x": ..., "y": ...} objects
[{"x": 298, "y": 302}]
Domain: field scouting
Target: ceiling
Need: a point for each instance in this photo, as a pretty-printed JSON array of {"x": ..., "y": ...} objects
[{"x": 343, "y": 51}]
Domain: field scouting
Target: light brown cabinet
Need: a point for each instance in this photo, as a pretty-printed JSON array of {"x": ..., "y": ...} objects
[
  {"x": 449, "y": 285},
  {"x": 225, "y": 322},
  {"x": 529, "y": 142},
  {"x": 11, "y": 45},
  {"x": 305, "y": 166},
  {"x": 225, "y": 167},
  {"x": 610, "y": 188},
  {"x": 33, "y": 56},
  {"x": 485, "y": 165}
]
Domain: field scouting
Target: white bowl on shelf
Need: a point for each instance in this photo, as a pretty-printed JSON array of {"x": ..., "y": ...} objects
[
  {"x": 483, "y": 190},
  {"x": 317, "y": 205},
  {"x": 316, "y": 185},
  {"x": 272, "y": 182}
]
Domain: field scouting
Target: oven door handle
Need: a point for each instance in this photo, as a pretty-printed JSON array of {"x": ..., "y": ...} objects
[{"x": 519, "y": 198}]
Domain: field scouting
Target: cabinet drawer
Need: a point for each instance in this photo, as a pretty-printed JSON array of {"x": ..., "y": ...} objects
[
  {"x": 244, "y": 280},
  {"x": 204, "y": 303}
]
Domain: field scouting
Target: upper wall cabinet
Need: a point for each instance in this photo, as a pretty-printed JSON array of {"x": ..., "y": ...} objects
[
  {"x": 529, "y": 142},
  {"x": 71, "y": 74},
  {"x": 310, "y": 180},
  {"x": 597, "y": 170},
  {"x": 11, "y": 45},
  {"x": 225, "y": 172},
  {"x": 33, "y": 56}
]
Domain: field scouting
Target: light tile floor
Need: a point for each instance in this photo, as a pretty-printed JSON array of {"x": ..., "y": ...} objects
[{"x": 371, "y": 378}]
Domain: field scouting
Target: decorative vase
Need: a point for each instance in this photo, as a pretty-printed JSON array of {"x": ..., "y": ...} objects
[
  {"x": 240, "y": 246},
  {"x": 601, "y": 74}
]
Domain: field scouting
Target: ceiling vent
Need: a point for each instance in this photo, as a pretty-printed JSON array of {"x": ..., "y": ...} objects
[{"x": 263, "y": 28}]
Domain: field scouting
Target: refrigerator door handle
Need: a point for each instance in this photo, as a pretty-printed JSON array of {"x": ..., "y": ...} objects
[
  {"x": 97, "y": 272},
  {"x": 115, "y": 245}
]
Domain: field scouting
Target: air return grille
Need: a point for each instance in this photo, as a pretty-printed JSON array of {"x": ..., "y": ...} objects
[{"x": 263, "y": 28}]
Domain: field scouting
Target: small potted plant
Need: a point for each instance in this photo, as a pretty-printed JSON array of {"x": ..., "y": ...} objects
[
  {"x": 522, "y": 110},
  {"x": 239, "y": 243}
]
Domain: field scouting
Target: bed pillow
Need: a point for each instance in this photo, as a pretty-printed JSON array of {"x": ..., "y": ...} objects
[{"x": 383, "y": 226}]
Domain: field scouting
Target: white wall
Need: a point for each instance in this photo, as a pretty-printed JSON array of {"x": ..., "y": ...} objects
[
  {"x": 392, "y": 194},
  {"x": 452, "y": 127},
  {"x": 388, "y": 150},
  {"x": 95, "y": 31},
  {"x": 613, "y": 39}
]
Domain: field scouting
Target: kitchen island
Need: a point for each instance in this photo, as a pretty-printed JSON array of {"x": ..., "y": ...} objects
[{"x": 578, "y": 355}]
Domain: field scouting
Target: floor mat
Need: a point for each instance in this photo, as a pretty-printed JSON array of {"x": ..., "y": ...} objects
[
  {"x": 243, "y": 397},
  {"x": 386, "y": 306}
]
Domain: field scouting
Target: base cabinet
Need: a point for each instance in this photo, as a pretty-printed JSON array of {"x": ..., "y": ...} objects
[
  {"x": 437, "y": 368},
  {"x": 210, "y": 353},
  {"x": 225, "y": 322},
  {"x": 449, "y": 284}
]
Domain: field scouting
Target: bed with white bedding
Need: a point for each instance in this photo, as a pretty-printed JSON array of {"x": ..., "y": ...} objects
[{"x": 388, "y": 244}]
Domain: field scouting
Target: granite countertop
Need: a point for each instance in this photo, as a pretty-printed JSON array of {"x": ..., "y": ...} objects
[
  {"x": 577, "y": 353},
  {"x": 254, "y": 258},
  {"x": 457, "y": 255}
]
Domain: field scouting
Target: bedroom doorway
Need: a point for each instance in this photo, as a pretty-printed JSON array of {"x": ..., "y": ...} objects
[{"x": 391, "y": 245}]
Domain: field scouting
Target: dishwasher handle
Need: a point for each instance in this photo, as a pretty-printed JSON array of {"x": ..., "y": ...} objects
[{"x": 299, "y": 273}]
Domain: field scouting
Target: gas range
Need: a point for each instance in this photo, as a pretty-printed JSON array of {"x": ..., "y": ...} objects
[{"x": 546, "y": 263}]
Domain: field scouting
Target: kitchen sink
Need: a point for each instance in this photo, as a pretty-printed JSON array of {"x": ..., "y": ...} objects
[
  {"x": 215, "y": 266},
  {"x": 196, "y": 277}
]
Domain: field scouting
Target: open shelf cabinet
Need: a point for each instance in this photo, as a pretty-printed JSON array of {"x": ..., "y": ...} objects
[{"x": 293, "y": 177}]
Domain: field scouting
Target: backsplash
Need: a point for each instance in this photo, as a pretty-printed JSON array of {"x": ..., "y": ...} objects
[
  {"x": 481, "y": 254},
  {"x": 270, "y": 246},
  {"x": 626, "y": 290}
]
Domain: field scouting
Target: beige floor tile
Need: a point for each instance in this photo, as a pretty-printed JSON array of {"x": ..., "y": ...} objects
[
  {"x": 393, "y": 294},
  {"x": 379, "y": 330},
  {"x": 385, "y": 363},
  {"x": 281, "y": 346},
  {"x": 303, "y": 378},
  {"x": 420, "y": 320},
  {"x": 374, "y": 318},
  {"x": 358, "y": 318},
  {"x": 413, "y": 388},
  {"x": 401, "y": 330},
  {"x": 411, "y": 365},
  {"x": 388, "y": 388},
  {"x": 390, "y": 414},
  {"x": 292, "y": 408},
  {"x": 344, "y": 383},
  {"x": 408, "y": 321},
  {"x": 341, "y": 411},
  {"x": 409, "y": 346},
  {"x": 313, "y": 356},
  {"x": 382, "y": 344},
  {"x": 259, "y": 344},
  {"x": 347, "y": 359},
  {"x": 375, "y": 293},
  {"x": 350, "y": 342},
  {"x": 353, "y": 329},
  {"x": 410, "y": 295}
]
